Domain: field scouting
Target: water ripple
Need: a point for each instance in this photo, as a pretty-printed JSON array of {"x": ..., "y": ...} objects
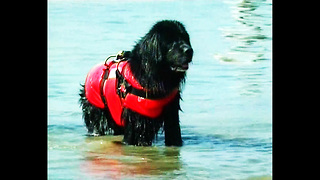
[
  {"x": 221, "y": 142},
  {"x": 249, "y": 38}
]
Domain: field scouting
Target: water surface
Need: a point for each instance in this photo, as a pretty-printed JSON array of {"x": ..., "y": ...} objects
[{"x": 227, "y": 107}]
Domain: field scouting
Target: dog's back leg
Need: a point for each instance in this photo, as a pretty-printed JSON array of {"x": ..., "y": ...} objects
[
  {"x": 98, "y": 121},
  {"x": 94, "y": 118}
]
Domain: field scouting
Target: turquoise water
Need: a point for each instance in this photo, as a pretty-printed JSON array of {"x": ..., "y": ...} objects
[{"x": 227, "y": 100}]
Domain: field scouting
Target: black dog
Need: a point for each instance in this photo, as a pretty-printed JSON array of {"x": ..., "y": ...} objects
[{"x": 157, "y": 64}]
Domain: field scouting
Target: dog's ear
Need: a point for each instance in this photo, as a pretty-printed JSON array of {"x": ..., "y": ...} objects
[{"x": 151, "y": 48}]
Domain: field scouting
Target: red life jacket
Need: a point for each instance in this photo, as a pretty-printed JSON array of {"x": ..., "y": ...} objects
[{"x": 102, "y": 89}]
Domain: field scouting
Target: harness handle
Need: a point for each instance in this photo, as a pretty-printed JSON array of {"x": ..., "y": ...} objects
[
  {"x": 105, "y": 61},
  {"x": 120, "y": 56}
]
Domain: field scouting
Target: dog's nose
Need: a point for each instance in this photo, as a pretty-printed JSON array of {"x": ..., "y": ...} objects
[{"x": 187, "y": 50}]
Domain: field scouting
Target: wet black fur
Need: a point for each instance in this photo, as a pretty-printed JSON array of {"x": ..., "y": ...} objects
[{"x": 151, "y": 60}]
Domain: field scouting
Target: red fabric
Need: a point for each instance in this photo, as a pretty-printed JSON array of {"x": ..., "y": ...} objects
[
  {"x": 92, "y": 85},
  {"x": 110, "y": 92},
  {"x": 129, "y": 77},
  {"x": 146, "y": 107}
]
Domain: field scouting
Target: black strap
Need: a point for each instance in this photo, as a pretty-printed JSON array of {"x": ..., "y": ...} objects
[
  {"x": 146, "y": 95},
  {"x": 128, "y": 88},
  {"x": 105, "y": 76},
  {"x": 123, "y": 83},
  {"x": 121, "y": 56}
]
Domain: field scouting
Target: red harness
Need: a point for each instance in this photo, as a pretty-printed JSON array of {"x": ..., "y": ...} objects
[{"x": 103, "y": 87}]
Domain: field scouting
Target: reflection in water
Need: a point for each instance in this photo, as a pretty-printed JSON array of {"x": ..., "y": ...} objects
[
  {"x": 252, "y": 35},
  {"x": 107, "y": 158},
  {"x": 250, "y": 44},
  {"x": 252, "y": 80}
]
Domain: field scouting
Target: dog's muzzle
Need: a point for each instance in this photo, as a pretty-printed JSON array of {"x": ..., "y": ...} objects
[
  {"x": 182, "y": 68},
  {"x": 187, "y": 58}
]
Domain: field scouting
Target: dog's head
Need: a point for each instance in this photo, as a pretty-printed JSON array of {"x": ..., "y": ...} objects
[{"x": 167, "y": 46}]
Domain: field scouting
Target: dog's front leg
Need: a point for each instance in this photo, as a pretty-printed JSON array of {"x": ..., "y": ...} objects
[{"x": 171, "y": 124}]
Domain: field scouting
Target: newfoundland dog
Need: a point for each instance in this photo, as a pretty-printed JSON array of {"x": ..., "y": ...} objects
[{"x": 135, "y": 93}]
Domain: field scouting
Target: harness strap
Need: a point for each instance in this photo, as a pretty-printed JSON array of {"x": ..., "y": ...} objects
[
  {"x": 105, "y": 77},
  {"x": 118, "y": 58},
  {"x": 124, "y": 87},
  {"x": 145, "y": 94},
  {"x": 119, "y": 89}
]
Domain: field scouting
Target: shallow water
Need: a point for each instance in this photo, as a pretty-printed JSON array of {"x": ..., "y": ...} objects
[{"x": 226, "y": 121}]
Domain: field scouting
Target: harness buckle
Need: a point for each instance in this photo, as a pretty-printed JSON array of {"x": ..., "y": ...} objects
[
  {"x": 122, "y": 87},
  {"x": 119, "y": 56}
]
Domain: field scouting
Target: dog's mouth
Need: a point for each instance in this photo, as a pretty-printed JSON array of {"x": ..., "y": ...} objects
[{"x": 182, "y": 68}]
